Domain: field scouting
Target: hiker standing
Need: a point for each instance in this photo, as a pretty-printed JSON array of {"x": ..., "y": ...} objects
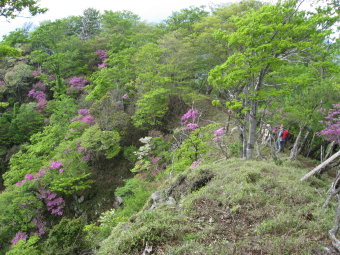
[{"x": 282, "y": 138}]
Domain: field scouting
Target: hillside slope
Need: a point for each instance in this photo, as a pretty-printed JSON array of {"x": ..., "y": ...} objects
[{"x": 230, "y": 207}]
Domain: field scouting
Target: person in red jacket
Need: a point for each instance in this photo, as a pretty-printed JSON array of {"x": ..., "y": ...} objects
[{"x": 282, "y": 138}]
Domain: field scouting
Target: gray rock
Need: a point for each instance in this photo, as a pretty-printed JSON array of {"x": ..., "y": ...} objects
[
  {"x": 117, "y": 202},
  {"x": 159, "y": 197}
]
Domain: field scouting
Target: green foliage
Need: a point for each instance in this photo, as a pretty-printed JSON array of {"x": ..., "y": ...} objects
[
  {"x": 109, "y": 114},
  {"x": 194, "y": 147},
  {"x": 151, "y": 108},
  {"x": 135, "y": 193},
  {"x": 129, "y": 153},
  {"x": 62, "y": 110},
  {"x": 66, "y": 238},
  {"x": 96, "y": 140},
  {"x": 161, "y": 148},
  {"x": 25, "y": 123},
  {"x": 22, "y": 163},
  {"x": 28, "y": 247},
  {"x": 18, "y": 36},
  {"x": 11, "y": 9},
  {"x": 17, "y": 209},
  {"x": 152, "y": 226},
  {"x": 185, "y": 18},
  {"x": 8, "y": 51},
  {"x": 216, "y": 103}
]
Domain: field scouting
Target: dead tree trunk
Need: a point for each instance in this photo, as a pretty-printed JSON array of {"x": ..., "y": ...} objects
[
  {"x": 295, "y": 150},
  {"x": 319, "y": 167},
  {"x": 330, "y": 150}
]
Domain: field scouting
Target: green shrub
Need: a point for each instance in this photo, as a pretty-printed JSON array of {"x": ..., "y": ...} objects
[
  {"x": 151, "y": 108},
  {"x": 66, "y": 238},
  {"x": 94, "y": 139},
  {"x": 28, "y": 247}
]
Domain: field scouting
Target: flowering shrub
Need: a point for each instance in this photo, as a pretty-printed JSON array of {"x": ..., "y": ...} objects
[
  {"x": 55, "y": 205},
  {"x": 78, "y": 82},
  {"x": 2, "y": 83},
  {"x": 332, "y": 131},
  {"x": 102, "y": 65},
  {"x": 190, "y": 119},
  {"x": 37, "y": 72},
  {"x": 19, "y": 236},
  {"x": 39, "y": 96},
  {"x": 218, "y": 134},
  {"x": 40, "y": 225},
  {"x": 39, "y": 86},
  {"x": 84, "y": 117},
  {"x": 56, "y": 165},
  {"x": 102, "y": 55}
]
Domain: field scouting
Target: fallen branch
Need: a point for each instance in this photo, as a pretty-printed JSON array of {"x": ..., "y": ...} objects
[{"x": 319, "y": 167}]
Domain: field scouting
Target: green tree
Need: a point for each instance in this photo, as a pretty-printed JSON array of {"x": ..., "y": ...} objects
[
  {"x": 265, "y": 40},
  {"x": 12, "y": 8},
  {"x": 90, "y": 23},
  {"x": 151, "y": 109}
]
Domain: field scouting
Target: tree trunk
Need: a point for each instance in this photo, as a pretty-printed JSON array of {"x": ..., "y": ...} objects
[
  {"x": 244, "y": 142},
  {"x": 295, "y": 149},
  {"x": 330, "y": 150},
  {"x": 303, "y": 142},
  {"x": 310, "y": 145},
  {"x": 319, "y": 167},
  {"x": 252, "y": 131}
]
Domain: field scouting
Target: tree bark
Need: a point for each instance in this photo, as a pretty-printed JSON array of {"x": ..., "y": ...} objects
[
  {"x": 330, "y": 150},
  {"x": 295, "y": 150},
  {"x": 303, "y": 142},
  {"x": 252, "y": 131},
  {"x": 319, "y": 167}
]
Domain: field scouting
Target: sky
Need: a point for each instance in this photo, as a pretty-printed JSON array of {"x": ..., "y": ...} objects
[{"x": 148, "y": 10}]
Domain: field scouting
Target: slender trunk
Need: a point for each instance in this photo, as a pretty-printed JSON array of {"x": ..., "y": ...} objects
[
  {"x": 330, "y": 150},
  {"x": 295, "y": 149},
  {"x": 252, "y": 130},
  {"x": 243, "y": 137},
  {"x": 303, "y": 142},
  {"x": 310, "y": 145}
]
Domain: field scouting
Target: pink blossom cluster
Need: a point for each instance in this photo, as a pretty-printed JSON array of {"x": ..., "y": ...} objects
[
  {"x": 29, "y": 177},
  {"x": 55, "y": 205},
  {"x": 57, "y": 165},
  {"x": 78, "y": 82},
  {"x": 332, "y": 131},
  {"x": 38, "y": 94},
  {"x": 39, "y": 86},
  {"x": 80, "y": 149},
  {"x": 86, "y": 157},
  {"x": 218, "y": 134},
  {"x": 40, "y": 224},
  {"x": 85, "y": 117},
  {"x": 125, "y": 96},
  {"x": 2, "y": 83},
  {"x": 190, "y": 118},
  {"x": 102, "y": 55},
  {"x": 102, "y": 65},
  {"x": 37, "y": 72},
  {"x": 19, "y": 236}
]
